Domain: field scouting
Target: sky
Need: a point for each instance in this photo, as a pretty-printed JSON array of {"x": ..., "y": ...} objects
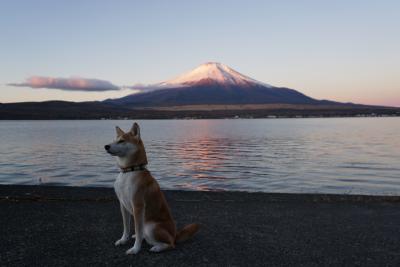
[{"x": 346, "y": 51}]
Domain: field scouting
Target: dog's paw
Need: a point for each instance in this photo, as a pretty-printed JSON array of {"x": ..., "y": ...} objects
[
  {"x": 133, "y": 250},
  {"x": 121, "y": 241},
  {"x": 160, "y": 247},
  {"x": 155, "y": 249}
]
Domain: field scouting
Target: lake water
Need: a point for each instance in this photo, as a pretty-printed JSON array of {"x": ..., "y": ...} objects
[{"x": 335, "y": 155}]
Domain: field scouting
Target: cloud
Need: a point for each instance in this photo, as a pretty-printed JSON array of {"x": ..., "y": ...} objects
[
  {"x": 152, "y": 87},
  {"x": 68, "y": 84},
  {"x": 142, "y": 87}
]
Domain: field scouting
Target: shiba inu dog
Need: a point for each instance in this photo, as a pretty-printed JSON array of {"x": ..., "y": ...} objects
[{"x": 140, "y": 196}]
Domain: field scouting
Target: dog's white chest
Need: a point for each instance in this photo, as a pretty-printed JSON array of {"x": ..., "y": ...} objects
[{"x": 125, "y": 187}]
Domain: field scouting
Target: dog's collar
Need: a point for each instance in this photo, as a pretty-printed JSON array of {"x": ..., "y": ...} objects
[{"x": 134, "y": 168}]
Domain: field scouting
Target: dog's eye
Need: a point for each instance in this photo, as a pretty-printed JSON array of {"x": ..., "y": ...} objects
[{"x": 120, "y": 141}]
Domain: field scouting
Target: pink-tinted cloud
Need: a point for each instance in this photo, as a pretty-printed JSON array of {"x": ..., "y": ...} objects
[{"x": 69, "y": 84}]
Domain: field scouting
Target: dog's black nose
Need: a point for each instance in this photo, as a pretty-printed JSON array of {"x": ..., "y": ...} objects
[{"x": 107, "y": 147}]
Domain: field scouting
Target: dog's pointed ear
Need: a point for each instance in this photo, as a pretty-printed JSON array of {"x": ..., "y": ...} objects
[
  {"x": 136, "y": 130},
  {"x": 119, "y": 131}
]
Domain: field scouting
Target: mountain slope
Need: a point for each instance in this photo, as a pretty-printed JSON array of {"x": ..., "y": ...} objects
[
  {"x": 214, "y": 83},
  {"x": 214, "y": 93}
]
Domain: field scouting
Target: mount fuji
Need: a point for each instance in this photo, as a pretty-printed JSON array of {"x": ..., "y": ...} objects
[
  {"x": 213, "y": 83},
  {"x": 212, "y": 90}
]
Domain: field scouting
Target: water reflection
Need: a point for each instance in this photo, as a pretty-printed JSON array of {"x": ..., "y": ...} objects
[{"x": 309, "y": 155}]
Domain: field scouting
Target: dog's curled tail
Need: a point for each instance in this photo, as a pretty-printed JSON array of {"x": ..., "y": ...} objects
[{"x": 187, "y": 232}]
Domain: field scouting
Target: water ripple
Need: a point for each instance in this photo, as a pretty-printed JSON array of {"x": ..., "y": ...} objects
[{"x": 347, "y": 155}]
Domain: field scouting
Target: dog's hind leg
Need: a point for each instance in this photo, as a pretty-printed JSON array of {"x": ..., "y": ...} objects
[
  {"x": 163, "y": 239},
  {"x": 126, "y": 219}
]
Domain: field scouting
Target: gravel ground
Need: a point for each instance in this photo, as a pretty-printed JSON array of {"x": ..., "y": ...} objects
[{"x": 69, "y": 226}]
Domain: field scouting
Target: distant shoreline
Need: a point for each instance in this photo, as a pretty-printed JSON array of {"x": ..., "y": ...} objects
[
  {"x": 204, "y": 117},
  {"x": 61, "y": 110}
]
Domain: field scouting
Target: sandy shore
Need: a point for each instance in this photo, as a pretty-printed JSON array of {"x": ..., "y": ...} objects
[{"x": 67, "y": 226}]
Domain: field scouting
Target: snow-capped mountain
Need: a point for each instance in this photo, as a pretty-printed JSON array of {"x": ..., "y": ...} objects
[
  {"x": 212, "y": 71},
  {"x": 212, "y": 83}
]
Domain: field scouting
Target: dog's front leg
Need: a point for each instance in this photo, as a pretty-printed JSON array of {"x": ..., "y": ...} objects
[
  {"x": 126, "y": 219},
  {"x": 138, "y": 213}
]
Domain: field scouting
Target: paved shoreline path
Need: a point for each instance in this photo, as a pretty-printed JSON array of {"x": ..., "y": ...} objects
[{"x": 69, "y": 226}]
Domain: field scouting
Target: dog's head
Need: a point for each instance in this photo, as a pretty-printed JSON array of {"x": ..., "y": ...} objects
[{"x": 128, "y": 147}]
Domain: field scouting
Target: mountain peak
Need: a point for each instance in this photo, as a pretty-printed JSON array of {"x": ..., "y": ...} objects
[{"x": 212, "y": 71}]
